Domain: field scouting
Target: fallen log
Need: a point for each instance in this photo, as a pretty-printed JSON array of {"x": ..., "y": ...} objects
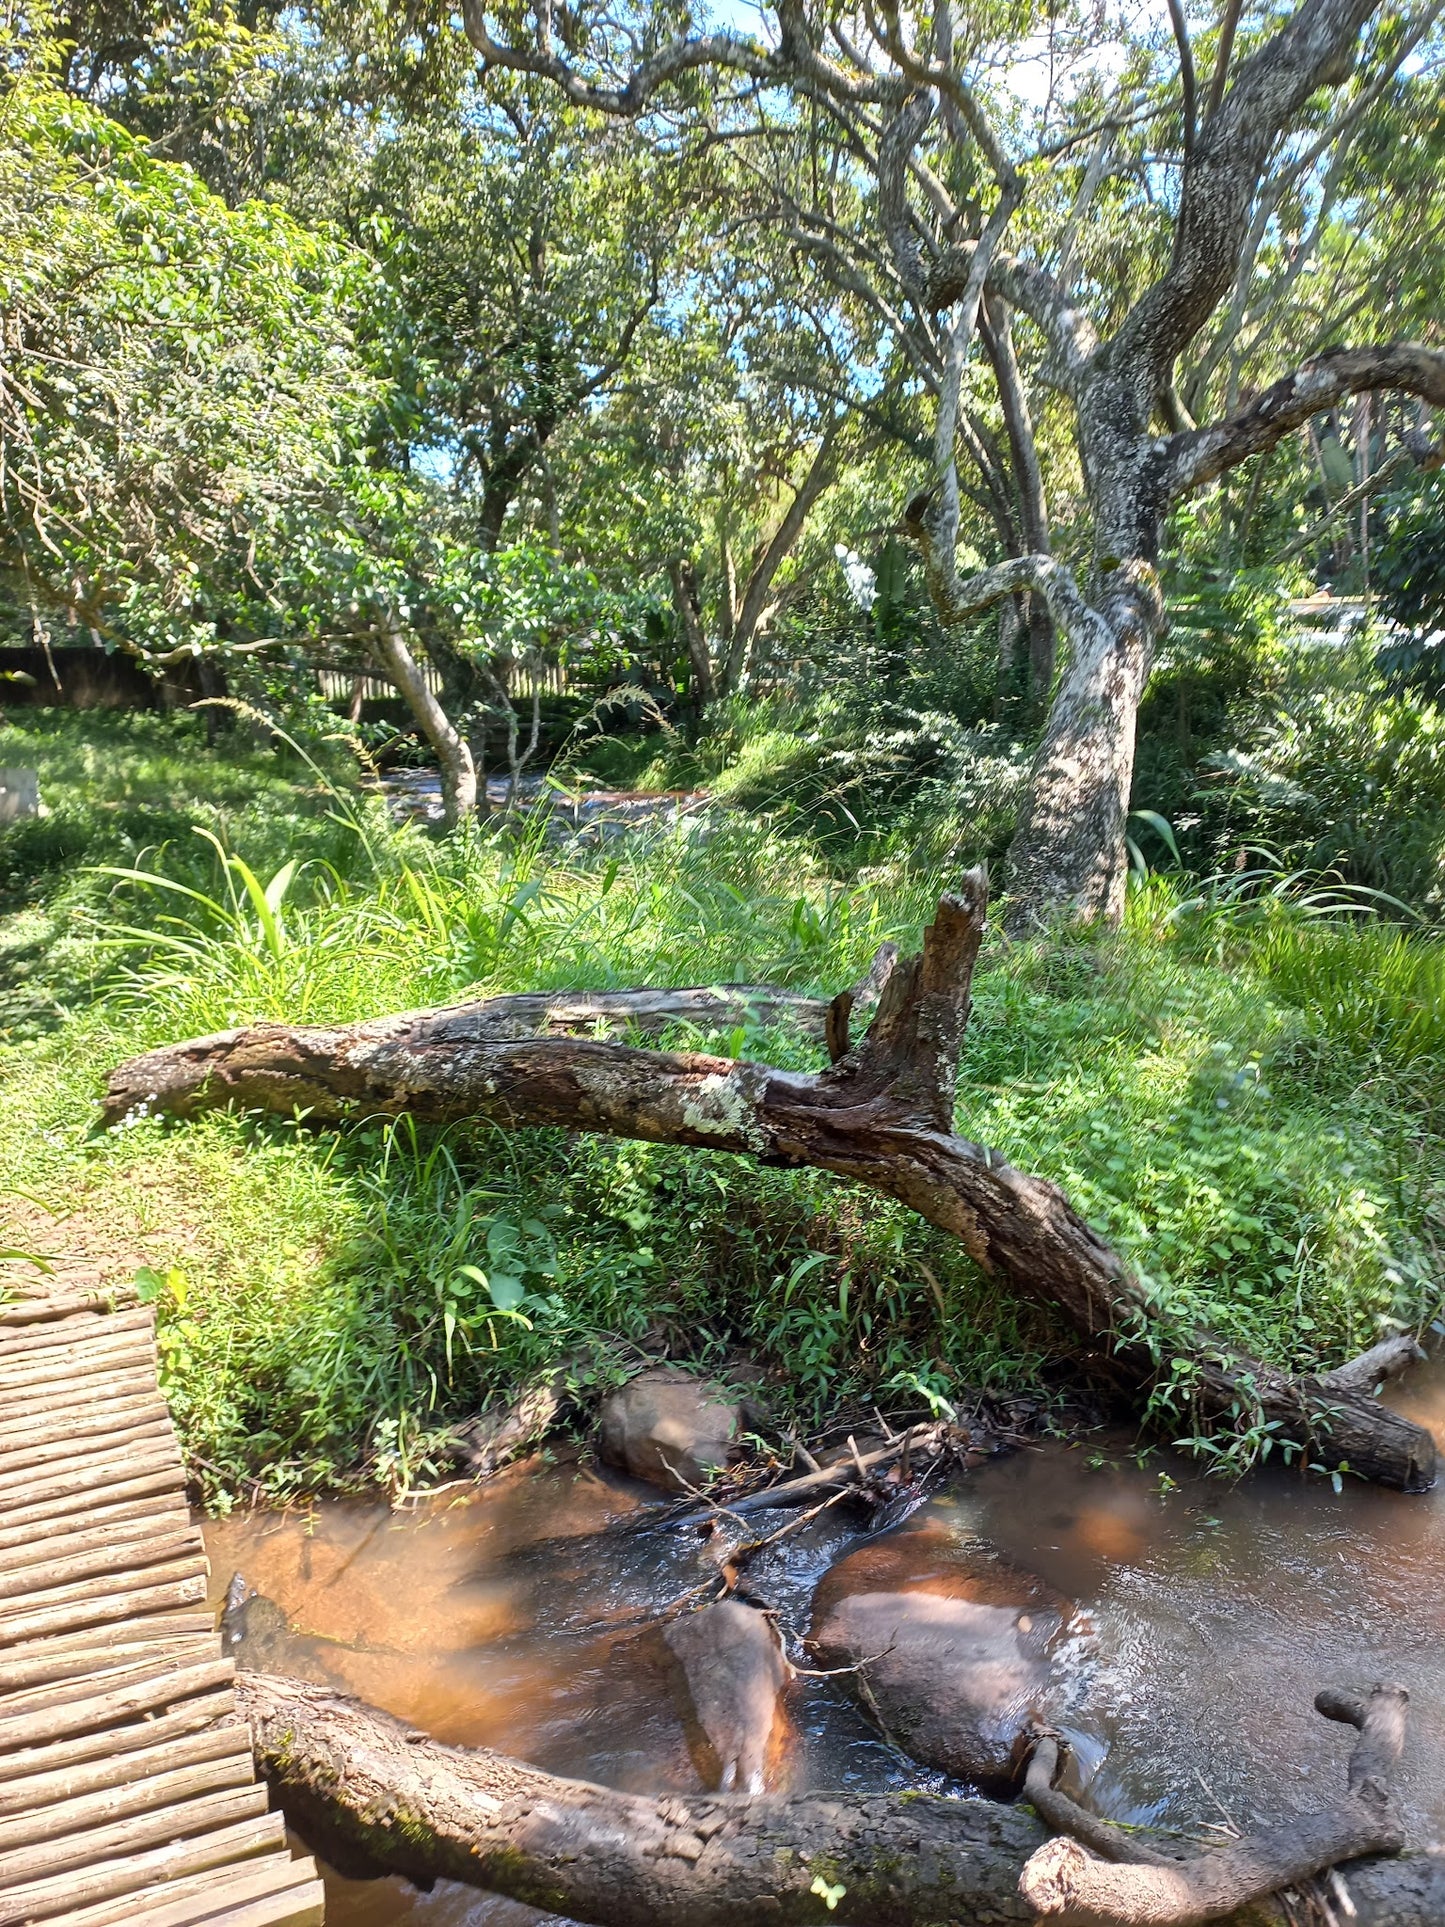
[
  {"x": 373, "y": 1796},
  {"x": 1123, "y": 1882},
  {"x": 882, "y": 1115}
]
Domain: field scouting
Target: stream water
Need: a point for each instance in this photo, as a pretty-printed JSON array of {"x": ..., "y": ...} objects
[{"x": 518, "y": 1616}]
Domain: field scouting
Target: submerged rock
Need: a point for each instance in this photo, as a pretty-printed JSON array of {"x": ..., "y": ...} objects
[
  {"x": 669, "y": 1428},
  {"x": 956, "y": 1649},
  {"x": 733, "y": 1662}
]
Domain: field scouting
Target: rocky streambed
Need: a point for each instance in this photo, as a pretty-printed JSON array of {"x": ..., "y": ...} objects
[{"x": 1176, "y": 1630}]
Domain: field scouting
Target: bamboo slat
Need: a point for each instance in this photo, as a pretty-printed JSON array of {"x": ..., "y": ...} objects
[
  {"x": 98, "y": 1742},
  {"x": 69, "y": 1783},
  {"x": 127, "y": 1788},
  {"x": 88, "y": 1514},
  {"x": 36, "y": 1899},
  {"x": 63, "y": 1304},
  {"x": 127, "y": 1485},
  {"x": 76, "y": 1330},
  {"x": 193, "y": 1897},
  {"x": 63, "y": 1544}
]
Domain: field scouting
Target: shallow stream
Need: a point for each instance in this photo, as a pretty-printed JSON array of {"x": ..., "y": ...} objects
[{"x": 519, "y": 1615}]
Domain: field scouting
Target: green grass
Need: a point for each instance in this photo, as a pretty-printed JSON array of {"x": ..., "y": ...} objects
[
  {"x": 124, "y": 787},
  {"x": 1248, "y": 1108}
]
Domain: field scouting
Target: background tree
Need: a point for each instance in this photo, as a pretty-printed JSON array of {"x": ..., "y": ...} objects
[{"x": 948, "y": 160}]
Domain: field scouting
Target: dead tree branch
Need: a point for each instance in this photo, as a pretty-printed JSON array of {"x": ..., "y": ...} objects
[
  {"x": 1137, "y": 1887},
  {"x": 881, "y": 1117}
]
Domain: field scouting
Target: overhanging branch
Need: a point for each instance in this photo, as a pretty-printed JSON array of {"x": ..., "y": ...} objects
[{"x": 1201, "y": 455}]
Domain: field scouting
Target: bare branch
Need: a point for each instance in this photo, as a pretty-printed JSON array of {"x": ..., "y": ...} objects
[
  {"x": 901, "y": 136},
  {"x": 1028, "y": 287},
  {"x": 951, "y": 86},
  {"x": 957, "y": 600},
  {"x": 1220, "y": 76},
  {"x": 679, "y": 57},
  {"x": 1186, "y": 74},
  {"x": 822, "y": 472},
  {"x": 1065, "y": 1882},
  {"x": 1209, "y": 452}
]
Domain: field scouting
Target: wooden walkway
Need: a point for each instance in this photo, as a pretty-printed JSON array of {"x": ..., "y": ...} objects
[{"x": 128, "y": 1797}]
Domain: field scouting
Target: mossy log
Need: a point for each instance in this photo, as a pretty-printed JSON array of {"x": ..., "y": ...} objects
[
  {"x": 373, "y": 1796},
  {"x": 882, "y": 1115}
]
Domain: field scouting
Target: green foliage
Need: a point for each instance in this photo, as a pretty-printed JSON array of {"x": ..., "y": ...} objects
[
  {"x": 1373, "y": 989},
  {"x": 1409, "y": 572},
  {"x": 1337, "y": 774},
  {"x": 130, "y": 789},
  {"x": 1247, "y": 1102},
  {"x": 180, "y": 385}
]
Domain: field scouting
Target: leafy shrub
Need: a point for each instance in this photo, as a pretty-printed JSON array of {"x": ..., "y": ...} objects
[
  {"x": 1342, "y": 775},
  {"x": 1409, "y": 573}
]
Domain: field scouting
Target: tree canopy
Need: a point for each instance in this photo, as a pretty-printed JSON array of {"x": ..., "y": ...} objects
[{"x": 337, "y": 332}]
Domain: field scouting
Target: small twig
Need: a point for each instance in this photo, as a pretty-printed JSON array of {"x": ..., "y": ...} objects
[
  {"x": 836, "y": 1672},
  {"x": 696, "y": 1492},
  {"x": 231, "y": 1478},
  {"x": 1231, "y": 1826},
  {"x": 749, "y": 1551},
  {"x": 797, "y": 1491},
  {"x": 1341, "y": 1893}
]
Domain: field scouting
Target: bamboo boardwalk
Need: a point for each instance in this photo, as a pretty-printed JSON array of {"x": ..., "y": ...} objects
[{"x": 128, "y": 1797}]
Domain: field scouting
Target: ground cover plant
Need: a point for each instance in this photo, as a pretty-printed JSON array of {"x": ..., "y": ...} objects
[{"x": 1270, "y": 1157}]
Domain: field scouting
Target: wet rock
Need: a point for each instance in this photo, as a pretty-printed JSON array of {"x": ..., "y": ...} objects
[
  {"x": 494, "y": 1438},
  {"x": 669, "y": 1428},
  {"x": 733, "y": 1661},
  {"x": 959, "y": 1649},
  {"x": 259, "y": 1636}
]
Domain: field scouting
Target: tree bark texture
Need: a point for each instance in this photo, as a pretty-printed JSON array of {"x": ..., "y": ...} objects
[
  {"x": 458, "y": 772},
  {"x": 373, "y": 1796},
  {"x": 882, "y": 1115},
  {"x": 1095, "y": 1875},
  {"x": 683, "y": 577}
]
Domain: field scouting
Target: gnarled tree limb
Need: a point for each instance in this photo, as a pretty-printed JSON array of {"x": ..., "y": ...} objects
[
  {"x": 1200, "y": 455},
  {"x": 374, "y": 1796},
  {"x": 1136, "y": 1887},
  {"x": 881, "y": 1117}
]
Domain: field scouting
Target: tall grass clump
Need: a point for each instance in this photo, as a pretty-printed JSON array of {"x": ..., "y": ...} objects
[{"x": 1372, "y": 987}]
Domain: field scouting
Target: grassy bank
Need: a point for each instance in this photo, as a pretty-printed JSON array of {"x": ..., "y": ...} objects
[{"x": 1249, "y": 1104}]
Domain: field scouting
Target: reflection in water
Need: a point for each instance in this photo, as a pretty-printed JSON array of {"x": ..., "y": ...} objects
[{"x": 509, "y": 1618}]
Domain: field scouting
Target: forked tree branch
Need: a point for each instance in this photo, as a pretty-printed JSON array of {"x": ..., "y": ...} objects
[
  {"x": 631, "y": 98},
  {"x": 1315, "y": 47},
  {"x": 1123, "y": 1883}
]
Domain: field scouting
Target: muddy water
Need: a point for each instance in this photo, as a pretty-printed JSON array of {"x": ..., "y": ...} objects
[{"x": 518, "y": 1618}]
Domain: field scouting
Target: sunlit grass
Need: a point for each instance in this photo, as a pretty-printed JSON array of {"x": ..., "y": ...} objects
[{"x": 1244, "y": 1107}]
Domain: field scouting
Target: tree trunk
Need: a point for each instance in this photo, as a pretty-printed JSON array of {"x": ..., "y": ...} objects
[
  {"x": 1068, "y": 856},
  {"x": 753, "y": 607},
  {"x": 458, "y": 772},
  {"x": 683, "y": 577},
  {"x": 996, "y": 329},
  {"x": 373, "y": 1796},
  {"x": 882, "y": 1116}
]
